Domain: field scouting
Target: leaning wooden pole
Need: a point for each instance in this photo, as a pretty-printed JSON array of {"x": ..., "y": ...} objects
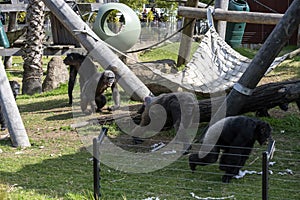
[
  {"x": 98, "y": 50},
  {"x": 275, "y": 42},
  {"x": 11, "y": 112}
]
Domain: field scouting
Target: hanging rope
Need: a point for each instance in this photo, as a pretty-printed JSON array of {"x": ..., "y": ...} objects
[{"x": 160, "y": 42}]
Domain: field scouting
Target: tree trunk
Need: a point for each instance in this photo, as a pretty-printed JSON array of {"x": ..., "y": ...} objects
[
  {"x": 33, "y": 49},
  {"x": 264, "y": 97}
]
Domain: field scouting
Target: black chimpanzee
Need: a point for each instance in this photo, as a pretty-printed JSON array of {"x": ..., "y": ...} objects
[
  {"x": 93, "y": 92},
  {"x": 74, "y": 60},
  {"x": 235, "y": 136},
  {"x": 15, "y": 86},
  {"x": 180, "y": 109}
]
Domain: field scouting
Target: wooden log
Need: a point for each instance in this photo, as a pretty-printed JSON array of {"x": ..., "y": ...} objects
[
  {"x": 266, "y": 96},
  {"x": 98, "y": 50},
  {"x": 11, "y": 112},
  {"x": 187, "y": 36},
  {"x": 232, "y": 16}
]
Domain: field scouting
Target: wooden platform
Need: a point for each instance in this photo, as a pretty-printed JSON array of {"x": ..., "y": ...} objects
[
  {"x": 53, "y": 50},
  {"x": 84, "y": 7},
  {"x": 62, "y": 45}
]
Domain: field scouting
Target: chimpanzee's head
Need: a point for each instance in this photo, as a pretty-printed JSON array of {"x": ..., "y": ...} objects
[
  {"x": 262, "y": 132},
  {"x": 74, "y": 59},
  {"x": 108, "y": 78}
]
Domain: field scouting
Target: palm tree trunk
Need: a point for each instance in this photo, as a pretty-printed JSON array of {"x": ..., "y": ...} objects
[{"x": 33, "y": 49}]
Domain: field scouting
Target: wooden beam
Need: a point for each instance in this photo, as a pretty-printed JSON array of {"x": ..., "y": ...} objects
[
  {"x": 13, "y": 7},
  {"x": 49, "y": 51},
  {"x": 85, "y": 7},
  {"x": 200, "y": 4},
  {"x": 232, "y": 16},
  {"x": 11, "y": 112}
]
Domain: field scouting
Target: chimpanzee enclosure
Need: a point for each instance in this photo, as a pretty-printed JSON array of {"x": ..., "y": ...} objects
[{"x": 172, "y": 182}]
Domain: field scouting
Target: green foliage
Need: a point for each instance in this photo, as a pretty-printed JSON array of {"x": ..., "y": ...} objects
[
  {"x": 134, "y": 4},
  {"x": 21, "y": 17}
]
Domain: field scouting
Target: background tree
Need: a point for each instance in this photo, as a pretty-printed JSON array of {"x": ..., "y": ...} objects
[{"x": 33, "y": 48}]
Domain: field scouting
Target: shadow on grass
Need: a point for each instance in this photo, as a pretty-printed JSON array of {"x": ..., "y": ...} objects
[
  {"x": 63, "y": 116},
  {"x": 54, "y": 177},
  {"x": 43, "y": 106}
]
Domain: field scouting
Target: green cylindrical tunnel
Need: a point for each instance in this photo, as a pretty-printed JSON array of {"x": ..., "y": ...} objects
[{"x": 121, "y": 34}]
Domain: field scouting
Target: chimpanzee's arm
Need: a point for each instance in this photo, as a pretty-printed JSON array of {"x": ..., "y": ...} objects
[{"x": 116, "y": 96}]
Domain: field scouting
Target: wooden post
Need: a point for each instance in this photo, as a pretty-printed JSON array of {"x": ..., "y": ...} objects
[
  {"x": 234, "y": 102},
  {"x": 11, "y": 112},
  {"x": 221, "y": 25},
  {"x": 186, "y": 37},
  {"x": 97, "y": 49}
]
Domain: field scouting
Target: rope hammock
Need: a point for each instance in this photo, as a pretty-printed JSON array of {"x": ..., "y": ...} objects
[{"x": 214, "y": 67}]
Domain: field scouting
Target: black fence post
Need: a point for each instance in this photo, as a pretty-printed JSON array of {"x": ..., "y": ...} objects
[
  {"x": 96, "y": 167},
  {"x": 96, "y": 162},
  {"x": 265, "y": 171}
]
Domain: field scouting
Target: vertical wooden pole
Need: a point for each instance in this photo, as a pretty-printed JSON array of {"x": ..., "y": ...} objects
[
  {"x": 11, "y": 112},
  {"x": 221, "y": 25},
  {"x": 186, "y": 37}
]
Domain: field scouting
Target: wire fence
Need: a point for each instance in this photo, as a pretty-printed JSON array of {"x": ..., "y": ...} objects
[{"x": 177, "y": 181}]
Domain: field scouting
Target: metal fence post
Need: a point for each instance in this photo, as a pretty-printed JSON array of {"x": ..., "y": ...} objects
[{"x": 96, "y": 167}]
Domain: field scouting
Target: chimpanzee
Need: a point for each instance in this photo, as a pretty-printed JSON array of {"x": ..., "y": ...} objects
[
  {"x": 15, "y": 86},
  {"x": 93, "y": 92},
  {"x": 75, "y": 60},
  {"x": 235, "y": 136},
  {"x": 180, "y": 109}
]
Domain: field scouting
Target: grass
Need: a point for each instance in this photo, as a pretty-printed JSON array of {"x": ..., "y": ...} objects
[{"x": 58, "y": 164}]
